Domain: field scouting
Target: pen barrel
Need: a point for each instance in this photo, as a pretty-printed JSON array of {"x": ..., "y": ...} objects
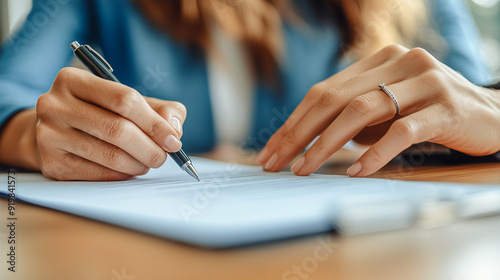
[
  {"x": 93, "y": 64},
  {"x": 180, "y": 157}
]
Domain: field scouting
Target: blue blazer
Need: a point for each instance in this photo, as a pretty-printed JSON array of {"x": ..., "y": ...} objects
[{"x": 145, "y": 58}]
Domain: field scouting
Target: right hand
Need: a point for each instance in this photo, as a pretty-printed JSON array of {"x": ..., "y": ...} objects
[{"x": 93, "y": 129}]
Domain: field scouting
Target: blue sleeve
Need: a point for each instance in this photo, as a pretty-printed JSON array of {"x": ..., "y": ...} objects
[
  {"x": 455, "y": 24},
  {"x": 31, "y": 58}
]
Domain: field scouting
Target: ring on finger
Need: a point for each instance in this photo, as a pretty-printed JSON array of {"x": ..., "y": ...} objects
[{"x": 386, "y": 90}]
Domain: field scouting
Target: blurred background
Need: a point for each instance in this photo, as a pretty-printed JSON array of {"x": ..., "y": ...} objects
[
  {"x": 12, "y": 13},
  {"x": 487, "y": 16},
  {"x": 486, "y": 13}
]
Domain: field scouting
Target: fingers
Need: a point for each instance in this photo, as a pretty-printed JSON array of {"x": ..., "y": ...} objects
[
  {"x": 119, "y": 132},
  {"x": 123, "y": 101},
  {"x": 309, "y": 100},
  {"x": 365, "y": 110},
  {"x": 358, "y": 111},
  {"x": 317, "y": 93},
  {"x": 58, "y": 164},
  {"x": 95, "y": 150},
  {"x": 403, "y": 133},
  {"x": 71, "y": 167}
]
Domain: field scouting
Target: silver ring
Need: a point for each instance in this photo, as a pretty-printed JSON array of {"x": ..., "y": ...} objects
[{"x": 389, "y": 93}]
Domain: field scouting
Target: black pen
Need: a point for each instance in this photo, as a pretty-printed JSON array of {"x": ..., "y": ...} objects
[{"x": 101, "y": 68}]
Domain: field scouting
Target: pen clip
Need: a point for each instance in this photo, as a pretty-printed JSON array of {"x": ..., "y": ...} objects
[{"x": 99, "y": 57}]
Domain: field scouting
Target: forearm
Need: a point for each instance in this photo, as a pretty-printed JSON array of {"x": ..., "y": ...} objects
[{"x": 18, "y": 141}]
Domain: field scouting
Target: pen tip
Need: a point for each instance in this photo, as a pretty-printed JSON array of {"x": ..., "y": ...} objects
[{"x": 192, "y": 171}]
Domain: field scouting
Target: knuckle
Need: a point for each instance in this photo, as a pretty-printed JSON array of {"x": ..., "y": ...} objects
[
  {"x": 283, "y": 130},
  {"x": 393, "y": 50},
  {"x": 361, "y": 106},
  {"x": 319, "y": 147},
  {"x": 49, "y": 168},
  {"x": 43, "y": 134},
  {"x": 291, "y": 121},
  {"x": 421, "y": 58},
  {"x": 418, "y": 53},
  {"x": 84, "y": 148},
  {"x": 406, "y": 129},
  {"x": 115, "y": 128},
  {"x": 290, "y": 138},
  {"x": 323, "y": 148},
  {"x": 127, "y": 102},
  {"x": 432, "y": 78},
  {"x": 163, "y": 111},
  {"x": 180, "y": 108},
  {"x": 329, "y": 98},
  {"x": 44, "y": 105},
  {"x": 65, "y": 76},
  {"x": 113, "y": 157},
  {"x": 435, "y": 83},
  {"x": 317, "y": 89},
  {"x": 156, "y": 128},
  {"x": 156, "y": 159},
  {"x": 166, "y": 110},
  {"x": 42, "y": 101},
  {"x": 376, "y": 156}
]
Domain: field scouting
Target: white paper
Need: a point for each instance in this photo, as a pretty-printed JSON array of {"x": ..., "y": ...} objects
[{"x": 236, "y": 204}]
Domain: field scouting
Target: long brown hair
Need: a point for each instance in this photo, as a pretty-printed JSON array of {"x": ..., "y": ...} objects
[{"x": 366, "y": 25}]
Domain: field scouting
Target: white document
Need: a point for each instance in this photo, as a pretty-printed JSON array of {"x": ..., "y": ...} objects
[{"x": 235, "y": 204}]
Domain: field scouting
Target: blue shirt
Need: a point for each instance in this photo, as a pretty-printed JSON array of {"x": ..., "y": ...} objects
[{"x": 145, "y": 58}]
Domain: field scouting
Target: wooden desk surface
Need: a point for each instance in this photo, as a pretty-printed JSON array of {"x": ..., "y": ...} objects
[{"x": 55, "y": 245}]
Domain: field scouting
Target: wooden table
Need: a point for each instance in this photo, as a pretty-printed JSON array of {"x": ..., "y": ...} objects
[{"x": 56, "y": 245}]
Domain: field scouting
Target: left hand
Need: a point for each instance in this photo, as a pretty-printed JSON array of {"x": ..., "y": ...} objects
[{"x": 437, "y": 105}]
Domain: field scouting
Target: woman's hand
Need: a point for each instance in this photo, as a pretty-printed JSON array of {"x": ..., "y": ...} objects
[
  {"x": 437, "y": 105},
  {"x": 92, "y": 129}
]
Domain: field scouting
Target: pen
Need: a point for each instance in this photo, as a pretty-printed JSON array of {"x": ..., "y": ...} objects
[{"x": 101, "y": 68}]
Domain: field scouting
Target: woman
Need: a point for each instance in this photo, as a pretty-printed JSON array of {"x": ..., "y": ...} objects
[{"x": 85, "y": 128}]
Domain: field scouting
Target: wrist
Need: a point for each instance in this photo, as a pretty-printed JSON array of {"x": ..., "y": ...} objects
[
  {"x": 492, "y": 94},
  {"x": 18, "y": 141}
]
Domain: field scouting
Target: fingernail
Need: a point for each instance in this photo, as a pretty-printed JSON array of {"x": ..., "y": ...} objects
[
  {"x": 271, "y": 162},
  {"x": 354, "y": 169},
  {"x": 298, "y": 165},
  {"x": 176, "y": 123},
  {"x": 172, "y": 144},
  {"x": 261, "y": 156}
]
